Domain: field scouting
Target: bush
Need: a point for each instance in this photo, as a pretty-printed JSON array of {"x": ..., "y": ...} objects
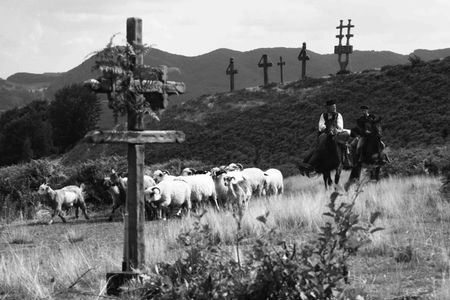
[{"x": 271, "y": 269}]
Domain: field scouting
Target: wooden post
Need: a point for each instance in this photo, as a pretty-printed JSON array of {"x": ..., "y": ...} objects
[
  {"x": 303, "y": 57},
  {"x": 346, "y": 49},
  {"x": 265, "y": 64},
  {"x": 135, "y": 191},
  {"x": 281, "y": 64},
  {"x": 231, "y": 71}
]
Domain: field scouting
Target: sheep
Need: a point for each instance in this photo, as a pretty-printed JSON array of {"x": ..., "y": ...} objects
[
  {"x": 65, "y": 198},
  {"x": 117, "y": 188},
  {"x": 256, "y": 179},
  {"x": 160, "y": 175},
  {"x": 220, "y": 175},
  {"x": 234, "y": 167},
  {"x": 239, "y": 191},
  {"x": 169, "y": 193},
  {"x": 202, "y": 188},
  {"x": 274, "y": 182},
  {"x": 192, "y": 171}
]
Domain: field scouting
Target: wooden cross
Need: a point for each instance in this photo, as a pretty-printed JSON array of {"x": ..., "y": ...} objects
[
  {"x": 156, "y": 91},
  {"x": 265, "y": 64},
  {"x": 281, "y": 64},
  {"x": 303, "y": 57},
  {"x": 346, "y": 49},
  {"x": 231, "y": 71}
]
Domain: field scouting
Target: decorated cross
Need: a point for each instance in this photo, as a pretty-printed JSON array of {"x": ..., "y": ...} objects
[
  {"x": 346, "y": 49},
  {"x": 281, "y": 64},
  {"x": 146, "y": 88},
  {"x": 265, "y": 64},
  {"x": 231, "y": 71},
  {"x": 303, "y": 57}
]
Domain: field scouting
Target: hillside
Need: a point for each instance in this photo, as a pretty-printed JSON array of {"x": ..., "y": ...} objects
[
  {"x": 205, "y": 74},
  {"x": 275, "y": 126},
  {"x": 14, "y": 95}
]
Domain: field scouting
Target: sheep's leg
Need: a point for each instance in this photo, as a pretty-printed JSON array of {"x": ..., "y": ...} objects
[
  {"x": 76, "y": 211},
  {"x": 214, "y": 199},
  {"x": 60, "y": 214}
]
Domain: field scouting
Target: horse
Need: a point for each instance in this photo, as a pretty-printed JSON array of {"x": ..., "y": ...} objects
[
  {"x": 330, "y": 155},
  {"x": 373, "y": 155}
]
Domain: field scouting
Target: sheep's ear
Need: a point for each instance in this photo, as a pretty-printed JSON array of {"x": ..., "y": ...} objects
[{"x": 166, "y": 172}]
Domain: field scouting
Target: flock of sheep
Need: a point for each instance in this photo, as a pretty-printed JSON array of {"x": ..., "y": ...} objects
[{"x": 221, "y": 187}]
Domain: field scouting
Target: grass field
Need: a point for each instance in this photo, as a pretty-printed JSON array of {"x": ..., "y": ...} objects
[{"x": 411, "y": 257}]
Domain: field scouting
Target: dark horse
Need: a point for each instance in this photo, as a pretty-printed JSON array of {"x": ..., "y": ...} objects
[
  {"x": 330, "y": 156},
  {"x": 374, "y": 156}
]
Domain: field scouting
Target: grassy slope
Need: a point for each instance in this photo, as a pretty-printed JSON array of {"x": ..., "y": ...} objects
[
  {"x": 274, "y": 127},
  {"x": 412, "y": 213}
]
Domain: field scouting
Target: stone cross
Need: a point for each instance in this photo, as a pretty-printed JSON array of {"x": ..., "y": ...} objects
[
  {"x": 281, "y": 64},
  {"x": 303, "y": 57},
  {"x": 136, "y": 138},
  {"x": 265, "y": 64},
  {"x": 346, "y": 49},
  {"x": 231, "y": 71}
]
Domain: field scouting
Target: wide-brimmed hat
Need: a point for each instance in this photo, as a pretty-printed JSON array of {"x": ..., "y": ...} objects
[
  {"x": 364, "y": 107},
  {"x": 330, "y": 102}
]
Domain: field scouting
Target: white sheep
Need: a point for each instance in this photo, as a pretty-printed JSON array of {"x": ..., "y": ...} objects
[
  {"x": 239, "y": 191},
  {"x": 256, "y": 179},
  {"x": 274, "y": 182},
  {"x": 202, "y": 188},
  {"x": 65, "y": 198},
  {"x": 169, "y": 194},
  {"x": 160, "y": 175},
  {"x": 220, "y": 177}
]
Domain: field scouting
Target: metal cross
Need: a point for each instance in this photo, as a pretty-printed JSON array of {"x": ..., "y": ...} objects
[
  {"x": 303, "y": 57},
  {"x": 156, "y": 91},
  {"x": 265, "y": 64},
  {"x": 281, "y": 64},
  {"x": 346, "y": 49},
  {"x": 231, "y": 71}
]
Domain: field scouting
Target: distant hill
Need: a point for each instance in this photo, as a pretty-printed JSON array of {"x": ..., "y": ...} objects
[
  {"x": 274, "y": 127},
  {"x": 13, "y": 95},
  {"x": 205, "y": 74}
]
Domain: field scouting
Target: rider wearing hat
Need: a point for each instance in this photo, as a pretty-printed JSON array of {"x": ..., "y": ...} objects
[
  {"x": 329, "y": 122},
  {"x": 363, "y": 129}
]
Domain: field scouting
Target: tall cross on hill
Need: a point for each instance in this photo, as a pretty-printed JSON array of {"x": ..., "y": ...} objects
[
  {"x": 281, "y": 64},
  {"x": 303, "y": 57},
  {"x": 231, "y": 71},
  {"x": 155, "y": 90},
  {"x": 346, "y": 49},
  {"x": 265, "y": 64}
]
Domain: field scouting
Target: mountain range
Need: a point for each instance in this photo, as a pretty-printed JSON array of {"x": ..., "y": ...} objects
[{"x": 205, "y": 74}]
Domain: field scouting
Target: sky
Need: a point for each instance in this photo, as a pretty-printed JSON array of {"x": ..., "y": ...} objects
[{"x": 39, "y": 36}]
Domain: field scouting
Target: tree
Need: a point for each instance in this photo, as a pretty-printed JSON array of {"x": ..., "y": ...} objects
[{"x": 72, "y": 114}]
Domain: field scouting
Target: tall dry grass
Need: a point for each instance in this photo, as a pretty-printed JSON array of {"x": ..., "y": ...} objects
[{"x": 406, "y": 204}]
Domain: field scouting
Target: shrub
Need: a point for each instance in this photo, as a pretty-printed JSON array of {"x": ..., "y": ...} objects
[{"x": 272, "y": 268}]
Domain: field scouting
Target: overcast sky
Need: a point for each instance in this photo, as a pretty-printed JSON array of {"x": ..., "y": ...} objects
[{"x": 56, "y": 35}]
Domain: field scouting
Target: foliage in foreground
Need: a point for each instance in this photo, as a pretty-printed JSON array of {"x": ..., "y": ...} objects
[{"x": 272, "y": 268}]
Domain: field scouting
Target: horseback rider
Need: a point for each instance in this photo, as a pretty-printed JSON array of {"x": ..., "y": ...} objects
[
  {"x": 363, "y": 129},
  {"x": 330, "y": 122}
]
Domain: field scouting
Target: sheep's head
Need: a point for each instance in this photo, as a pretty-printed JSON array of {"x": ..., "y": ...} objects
[
  {"x": 234, "y": 167},
  {"x": 187, "y": 172},
  {"x": 43, "y": 189},
  {"x": 152, "y": 194},
  {"x": 158, "y": 175}
]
